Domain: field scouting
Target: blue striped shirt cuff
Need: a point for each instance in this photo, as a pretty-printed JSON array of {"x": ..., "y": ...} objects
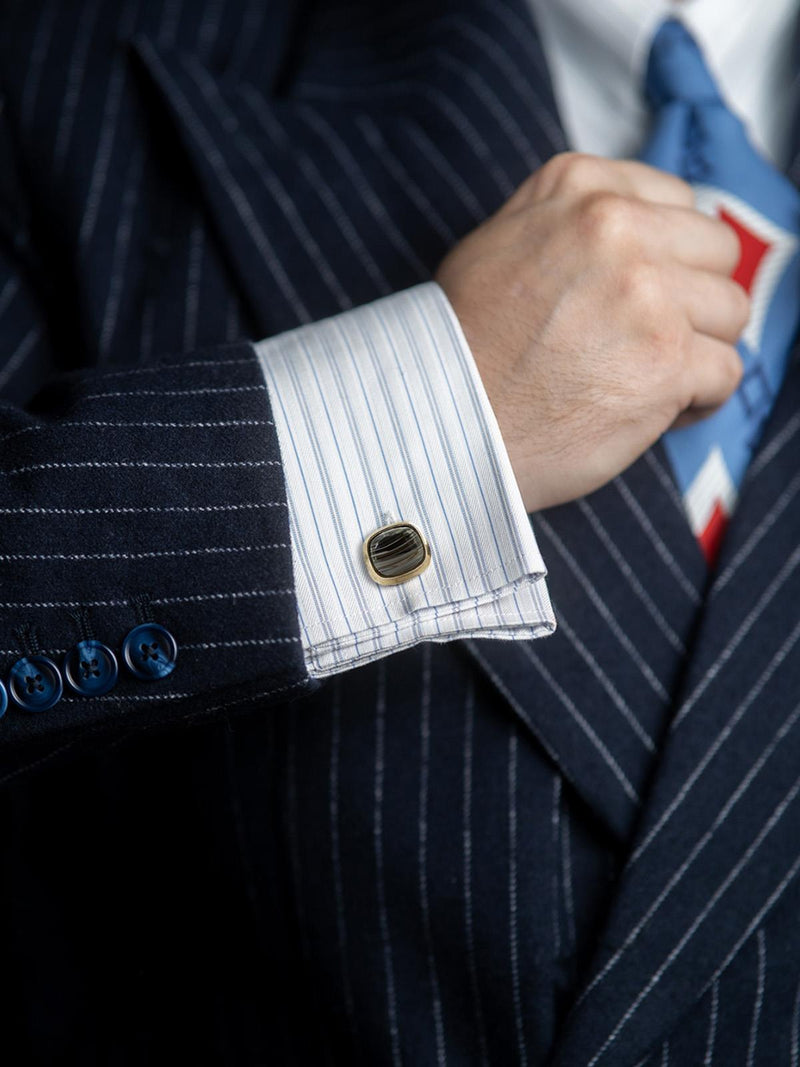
[{"x": 381, "y": 417}]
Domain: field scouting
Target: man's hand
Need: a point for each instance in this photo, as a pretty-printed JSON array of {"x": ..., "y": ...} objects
[{"x": 598, "y": 306}]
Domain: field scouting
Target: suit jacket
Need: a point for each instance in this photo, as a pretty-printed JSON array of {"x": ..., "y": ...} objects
[{"x": 577, "y": 851}]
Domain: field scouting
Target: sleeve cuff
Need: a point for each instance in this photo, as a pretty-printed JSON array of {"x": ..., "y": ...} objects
[{"x": 382, "y": 417}]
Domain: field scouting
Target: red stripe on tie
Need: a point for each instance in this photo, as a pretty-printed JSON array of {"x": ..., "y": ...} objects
[
  {"x": 711, "y": 538},
  {"x": 752, "y": 251}
]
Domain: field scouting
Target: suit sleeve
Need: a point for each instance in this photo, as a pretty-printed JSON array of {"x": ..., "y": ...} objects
[{"x": 144, "y": 496}]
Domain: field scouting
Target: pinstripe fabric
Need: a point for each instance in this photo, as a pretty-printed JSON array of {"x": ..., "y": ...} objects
[{"x": 578, "y": 851}]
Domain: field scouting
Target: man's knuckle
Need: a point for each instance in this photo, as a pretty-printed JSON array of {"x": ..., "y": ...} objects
[
  {"x": 643, "y": 289},
  {"x": 608, "y": 219},
  {"x": 577, "y": 171}
]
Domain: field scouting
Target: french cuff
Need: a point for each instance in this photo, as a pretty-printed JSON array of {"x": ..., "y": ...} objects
[{"x": 382, "y": 419}]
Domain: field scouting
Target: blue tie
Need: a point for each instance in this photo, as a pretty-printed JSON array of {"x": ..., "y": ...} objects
[{"x": 697, "y": 137}]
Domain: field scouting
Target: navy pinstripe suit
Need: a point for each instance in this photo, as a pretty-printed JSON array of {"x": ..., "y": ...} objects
[{"x": 579, "y": 851}]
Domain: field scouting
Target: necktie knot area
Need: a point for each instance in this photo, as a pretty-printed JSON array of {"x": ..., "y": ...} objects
[{"x": 677, "y": 71}]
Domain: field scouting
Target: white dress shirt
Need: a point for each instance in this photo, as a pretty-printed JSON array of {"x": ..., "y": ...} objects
[
  {"x": 597, "y": 55},
  {"x": 380, "y": 411}
]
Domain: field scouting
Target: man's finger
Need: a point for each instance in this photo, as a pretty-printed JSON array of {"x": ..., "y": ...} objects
[
  {"x": 715, "y": 370},
  {"x": 656, "y": 186},
  {"x": 693, "y": 239},
  {"x": 715, "y": 305}
]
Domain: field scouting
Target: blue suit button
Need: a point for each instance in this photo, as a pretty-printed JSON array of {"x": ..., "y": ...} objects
[
  {"x": 150, "y": 651},
  {"x": 35, "y": 683},
  {"x": 3, "y": 700},
  {"x": 91, "y": 668}
]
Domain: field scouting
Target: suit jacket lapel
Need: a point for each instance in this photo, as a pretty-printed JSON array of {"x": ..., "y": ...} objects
[
  {"x": 717, "y": 844},
  {"x": 626, "y": 577}
]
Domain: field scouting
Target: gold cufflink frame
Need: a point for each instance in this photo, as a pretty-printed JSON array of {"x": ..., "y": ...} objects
[{"x": 383, "y": 533}]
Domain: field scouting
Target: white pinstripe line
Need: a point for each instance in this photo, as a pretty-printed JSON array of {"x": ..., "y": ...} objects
[
  {"x": 776, "y": 445},
  {"x": 247, "y": 37},
  {"x": 144, "y": 424},
  {"x": 163, "y": 368},
  {"x": 211, "y": 390},
  {"x": 72, "y": 89},
  {"x": 759, "y": 999},
  {"x": 232, "y": 323},
  {"x": 293, "y": 834},
  {"x": 513, "y": 911},
  {"x": 627, "y": 572},
  {"x": 397, "y": 170},
  {"x": 138, "y": 424},
  {"x": 666, "y": 481},
  {"x": 208, "y": 30},
  {"x": 708, "y": 1059},
  {"x": 20, "y": 354},
  {"x": 700, "y": 918},
  {"x": 422, "y": 854},
  {"x": 665, "y": 1054},
  {"x": 204, "y": 646},
  {"x": 794, "y": 1032},
  {"x": 745, "y": 627},
  {"x": 321, "y": 187},
  {"x": 146, "y": 331},
  {"x": 235, "y": 799},
  {"x": 336, "y": 856},
  {"x": 555, "y": 822},
  {"x": 7, "y": 293},
  {"x": 773, "y": 513},
  {"x": 178, "y": 552},
  {"x": 588, "y": 730},
  {"x": 122, "y": 239},
  {"x": 141, "y": 464},
  {"x": 177, "y": 509},
  {"x": 566, "y": 862},
  {"x": 108, "y": 129},
  {"x": 611, "y": 690},
  {"x": 196, "y": 598},
  {"x": 656, "y": 540},
  {"x": 276, "y": 189},
  {"x": 698, "y": 848},
  {"x": 41, "y": 45},
  {"x": 466, "y": 840},
  {"x": 236, "y": 194},
  {"x": 377, "y": 837},
  {"x": 194, "y": 273},
  {"x": 167, "y": 31},
  {"x": 644, "y": 668}
]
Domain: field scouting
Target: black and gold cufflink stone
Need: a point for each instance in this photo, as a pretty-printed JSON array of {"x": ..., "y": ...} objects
[{"x": 396, "y": 553}]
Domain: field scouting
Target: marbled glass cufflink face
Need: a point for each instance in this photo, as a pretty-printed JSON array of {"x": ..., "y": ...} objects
[{"x": 396, "y": 553}]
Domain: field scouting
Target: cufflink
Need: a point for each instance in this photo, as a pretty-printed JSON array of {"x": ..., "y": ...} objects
[{"x": 395, "y": 553}]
